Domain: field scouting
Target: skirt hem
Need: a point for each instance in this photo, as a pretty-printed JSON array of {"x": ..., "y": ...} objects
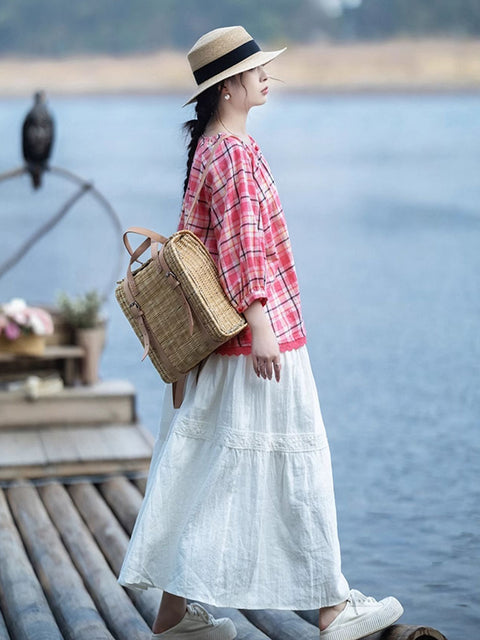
[{"x": 303, "y": 605}]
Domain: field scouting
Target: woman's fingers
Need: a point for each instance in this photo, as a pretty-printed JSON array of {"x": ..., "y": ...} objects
[
  {"x": 277, "y": 367},
  {"x": 267, "y": 368}
]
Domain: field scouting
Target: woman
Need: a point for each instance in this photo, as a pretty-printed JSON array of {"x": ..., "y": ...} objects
[{"x": 239, "y": 509}]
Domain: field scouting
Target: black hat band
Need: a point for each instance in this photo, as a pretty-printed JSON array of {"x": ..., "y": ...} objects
[{"x": 226, "y": 61}]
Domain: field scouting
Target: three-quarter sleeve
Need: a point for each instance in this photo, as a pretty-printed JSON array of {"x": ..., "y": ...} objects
[{"x": 237, "y": 224}]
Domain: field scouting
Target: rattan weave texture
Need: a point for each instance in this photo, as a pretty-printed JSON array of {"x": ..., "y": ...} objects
[{"x": 165, "y": 312}]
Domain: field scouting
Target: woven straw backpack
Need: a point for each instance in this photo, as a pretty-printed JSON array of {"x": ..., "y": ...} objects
[{"x": 175, "y": 302}]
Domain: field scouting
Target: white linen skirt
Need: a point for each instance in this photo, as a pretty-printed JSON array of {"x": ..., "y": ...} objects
[{"x": 239, "y": 509}]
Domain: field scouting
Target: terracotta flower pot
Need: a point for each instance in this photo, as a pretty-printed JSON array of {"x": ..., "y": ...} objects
[
  {"x": 25, "y": 345},
  {"x": 93, "y": 341}
]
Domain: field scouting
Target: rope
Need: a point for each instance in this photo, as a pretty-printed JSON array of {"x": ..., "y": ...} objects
[{"x": 84, "y": 187}]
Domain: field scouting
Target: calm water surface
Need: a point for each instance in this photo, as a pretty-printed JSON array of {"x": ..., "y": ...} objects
[{"x": 382, "y": 198}]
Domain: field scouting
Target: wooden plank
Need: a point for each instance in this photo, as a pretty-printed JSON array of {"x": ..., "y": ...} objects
[
  {"x": 58, "y": 445},
  {"x": 36, "y": 453},
  {"x": 104, "y": 442},
  {"x": 82, "y": 468},
  {"x": 127, "y": 441},
  {"x": 121, "y": 617},
  {"x": 113, "y": 541},
  {"x": 104, "y": 403},
  {"x": 52, "y": 352},
  {"x": 4, "y": 635},
  {"x": 110, "y": 442},
  {"x": 22, "y": 600},
  {"x": 281, "y": 625},
  {"x": 21, "y": 448},
  {"x": 90, "y": 443},
  {"x": 72, "y": 606}
]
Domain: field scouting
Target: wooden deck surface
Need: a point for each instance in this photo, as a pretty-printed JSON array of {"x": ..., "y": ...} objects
[
  {"x": 62, "y": 545},
  {"x": 35, "y": 453},
  {"x": 76, "y": 431},
  {"x": 72, "y": 477}
]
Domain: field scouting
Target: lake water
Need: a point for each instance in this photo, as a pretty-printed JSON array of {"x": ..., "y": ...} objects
[{"x": 382, "y": 198}]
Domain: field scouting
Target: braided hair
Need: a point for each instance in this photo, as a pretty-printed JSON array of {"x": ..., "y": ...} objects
[{"x": 205, "y": 108}]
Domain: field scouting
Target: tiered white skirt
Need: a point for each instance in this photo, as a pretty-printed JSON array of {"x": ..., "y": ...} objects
[{"x": 239, "y": 509}]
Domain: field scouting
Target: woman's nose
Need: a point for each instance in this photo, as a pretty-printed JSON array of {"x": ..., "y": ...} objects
[{"x": 263, "y": 73}]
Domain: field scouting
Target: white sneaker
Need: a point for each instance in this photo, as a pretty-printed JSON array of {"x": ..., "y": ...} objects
[
  {"x": 198, "y": 624},
  {"x": 362, "y": 615}
]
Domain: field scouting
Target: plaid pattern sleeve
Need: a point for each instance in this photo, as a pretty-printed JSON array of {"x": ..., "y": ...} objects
[
  {"x": 238, "y": 227},
  {"x": 240, "y": 220}
]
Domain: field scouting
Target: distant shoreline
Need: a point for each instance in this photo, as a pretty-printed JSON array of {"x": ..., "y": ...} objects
[{"x": 406, "y": 66}]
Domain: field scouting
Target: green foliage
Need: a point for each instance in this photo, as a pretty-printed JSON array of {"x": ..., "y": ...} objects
[{"x": 82, "y": 312}]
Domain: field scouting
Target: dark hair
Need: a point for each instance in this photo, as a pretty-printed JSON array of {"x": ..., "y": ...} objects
[{"x": 205, "y": 108}]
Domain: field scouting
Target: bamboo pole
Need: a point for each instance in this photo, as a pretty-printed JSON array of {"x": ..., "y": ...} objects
[
  {"x": 4, "y": 635},
  {"x": 280, "y": 624},
  {"x": 22, "y": 599},
  {"x": 117, "y": 610},
  {"x": 113, "y": 541},
  {"x": 73, "y": 608},
  {"x": 141, "y": 484},
  {"x": 395, "y": 632},
  {"x": 246, "y": 630},
  {"x": 108, "y": 533},
  {"x": 310, "y": 615},
  {"x": 124, "y": 499},
  {"x": 408, "y": 632}
]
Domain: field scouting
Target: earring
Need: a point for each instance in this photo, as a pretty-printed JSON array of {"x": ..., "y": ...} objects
[{"x": 227, "y": 96}]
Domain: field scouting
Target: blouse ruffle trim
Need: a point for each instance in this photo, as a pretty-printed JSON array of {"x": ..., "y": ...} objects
[{"x": 247, "y": 349}]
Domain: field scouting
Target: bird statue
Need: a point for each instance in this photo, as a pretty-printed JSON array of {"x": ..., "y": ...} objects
[{"x": 37, "y": 138}]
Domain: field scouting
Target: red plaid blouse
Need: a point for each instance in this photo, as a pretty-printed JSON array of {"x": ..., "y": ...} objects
[{"x": 239, "y": 218}]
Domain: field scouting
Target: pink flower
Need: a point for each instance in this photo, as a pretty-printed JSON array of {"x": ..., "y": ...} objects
[
  {"x": 12, "y": 331},
  {"x": 41, "y": 321},
  {"x": 16, "y": 318}
]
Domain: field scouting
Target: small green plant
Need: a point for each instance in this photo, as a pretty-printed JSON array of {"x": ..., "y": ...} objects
[{"x": 81, "y": 312}]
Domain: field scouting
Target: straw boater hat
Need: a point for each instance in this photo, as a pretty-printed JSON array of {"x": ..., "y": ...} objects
[{"x": 222, "y": 53}]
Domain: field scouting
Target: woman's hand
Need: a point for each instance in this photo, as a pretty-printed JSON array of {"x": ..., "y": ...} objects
[{"x": 265, "y": 350}]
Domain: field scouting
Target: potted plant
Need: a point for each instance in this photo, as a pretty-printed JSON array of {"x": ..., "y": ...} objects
[
  {"x": 83, "y": 315},
  {"x": 23, "y": 329}
]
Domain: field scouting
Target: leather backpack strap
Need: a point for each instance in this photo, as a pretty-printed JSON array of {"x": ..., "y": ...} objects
[
  {"x": 202, "y": 180},
  {"x": 178, "y": 391},
  {"x": 142, "y": 231}
]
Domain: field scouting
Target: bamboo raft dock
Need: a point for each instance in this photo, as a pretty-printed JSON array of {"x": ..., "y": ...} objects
[{"x": 72, "y": 477}]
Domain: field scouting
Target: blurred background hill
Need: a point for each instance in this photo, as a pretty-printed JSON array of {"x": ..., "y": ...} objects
[
  {"x": 374, "y": 146},
  {"x": 58, "y": 28},
  {"x": 119, "y": 46}
]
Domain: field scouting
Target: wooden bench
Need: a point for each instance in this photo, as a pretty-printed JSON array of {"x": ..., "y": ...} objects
[{"x": 62, "y": 358}]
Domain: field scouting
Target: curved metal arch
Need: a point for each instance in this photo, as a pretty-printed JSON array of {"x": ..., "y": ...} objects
[{"x": 84, "y": 187}]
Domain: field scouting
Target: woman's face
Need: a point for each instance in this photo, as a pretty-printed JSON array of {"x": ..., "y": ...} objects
[{"x": 248, "y": 89}]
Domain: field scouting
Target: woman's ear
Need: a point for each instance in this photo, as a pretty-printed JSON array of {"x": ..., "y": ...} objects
[{"x": 225, "y": 90}]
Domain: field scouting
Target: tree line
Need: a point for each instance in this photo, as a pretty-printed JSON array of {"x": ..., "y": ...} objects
[{"x": 58, "y": 28}]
